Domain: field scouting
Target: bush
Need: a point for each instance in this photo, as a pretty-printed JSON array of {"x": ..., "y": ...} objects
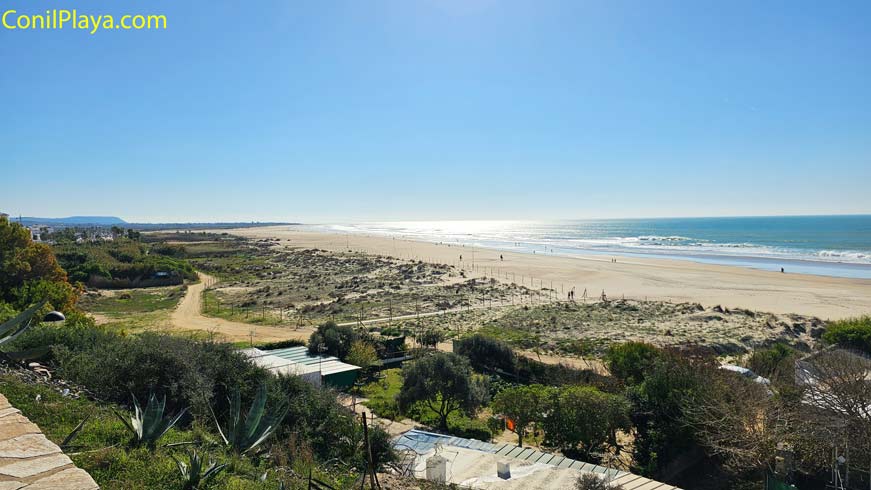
[
  {"x": 492, "y": 355},
  {"x": 281, "y": 344},
  {"x": 330, "y": 430},
  {"x": 582, "y": 419},
  {"x": 486, "y": 353},
  {"x": 767, "y": 362},
  {"x": 363, "y": 354},
  {"x": 332, "y": 339},
  {"x": 122, "y": 259},
  {"x": 431, "y": 337},
  {"x": 661, "y": 434},
  {"x": 469, "y": 428},
  {"x": 630, "y": 361},
  {"x": 113, "y": 366},
  {"x": 854, "y": 333},
  {"x": 532, "y": 372}
]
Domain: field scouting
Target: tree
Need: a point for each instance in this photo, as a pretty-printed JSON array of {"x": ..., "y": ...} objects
[
  {"x": 29, "y": 272},
  {"x": 443, "y": 382},
  {"x": 332, "y": 339},
  {"x": 581, "y": 419},
  {"x": 733, "y": 419},
  {"x": 431, "y": 337},
  {"x": 836, "y": 413},
  {"x": 629, "y": 362},
  {"x": 661, "y": 435},
  {"x": 117, "y": 231},
  {"x": 363, "y": 354},
  {"x": 524, "y": 405},
  {"x": 486, "y": 353}
]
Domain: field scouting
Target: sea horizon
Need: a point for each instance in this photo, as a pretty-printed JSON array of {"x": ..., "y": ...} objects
[{"x": 825, "y": 245}]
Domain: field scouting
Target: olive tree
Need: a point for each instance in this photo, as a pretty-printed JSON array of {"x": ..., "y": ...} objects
[
  {"x": 524, "y": 405},
  {"x": 443, "y": 382},
  {"x": 582, "y": 419}
]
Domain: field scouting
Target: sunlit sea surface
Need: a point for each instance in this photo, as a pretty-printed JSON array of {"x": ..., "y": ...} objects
[{"x": 823, "y": 245}]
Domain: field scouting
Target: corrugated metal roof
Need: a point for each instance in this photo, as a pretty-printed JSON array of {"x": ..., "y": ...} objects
[
  {"x": 422, "y": 442},
  {"x": 298, "y": 361}
]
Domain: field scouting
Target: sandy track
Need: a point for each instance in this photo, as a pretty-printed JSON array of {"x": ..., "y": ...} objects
[{"x": 188, "y": 316}]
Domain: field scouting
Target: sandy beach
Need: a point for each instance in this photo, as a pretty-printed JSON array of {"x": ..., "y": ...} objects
[{"x": 636, "y": 278}]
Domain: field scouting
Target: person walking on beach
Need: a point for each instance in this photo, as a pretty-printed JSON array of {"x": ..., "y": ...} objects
[
  {"x": 781, "y": 270},
  {"x": 501, "y": 257}
]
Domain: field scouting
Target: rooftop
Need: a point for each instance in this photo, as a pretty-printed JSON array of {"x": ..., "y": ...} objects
[
  {"x": 472, "y": 463},
  {"x": 297, "y": 361}
]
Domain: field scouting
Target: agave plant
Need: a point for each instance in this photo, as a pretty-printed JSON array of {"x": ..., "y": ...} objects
[
  {"x": 258, "y": 425},
  {"x": 14, "y": 327},
  {"x": 149, "y": 426},
  {"x": 193, "y": 473}
]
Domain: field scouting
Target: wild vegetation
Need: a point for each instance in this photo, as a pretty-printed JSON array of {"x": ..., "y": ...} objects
[
  {"x": 660, "y": 405},
  {"x": 266, "y": 281},
  {"x": 123, "y": 262},
  {"x": 272, "y": 282},
  {"x": 854, "y": 333},
  {"x": 141, "y": 409},
  {"x": 29, "y": 273}
]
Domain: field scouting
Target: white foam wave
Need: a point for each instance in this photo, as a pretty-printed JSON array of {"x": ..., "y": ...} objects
[{"x": 525, "y": 238}]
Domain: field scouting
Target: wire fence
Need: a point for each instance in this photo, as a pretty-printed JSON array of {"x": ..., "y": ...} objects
[{"x": 516, "y": 290}]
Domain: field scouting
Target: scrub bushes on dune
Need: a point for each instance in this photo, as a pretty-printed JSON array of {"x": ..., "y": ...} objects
[{"x": 854, "y": 333}]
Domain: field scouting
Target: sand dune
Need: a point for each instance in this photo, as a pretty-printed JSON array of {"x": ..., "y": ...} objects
[{"x": 639, "y": 278}]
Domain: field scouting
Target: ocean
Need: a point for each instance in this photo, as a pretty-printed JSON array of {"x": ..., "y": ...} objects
[{"x": 823, "y": 245}]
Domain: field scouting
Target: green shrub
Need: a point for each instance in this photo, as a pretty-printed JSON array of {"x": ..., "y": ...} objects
[
  {"x": 767, "y": 362},
  {"x": 333, "y": 340},
  {"x": 581, "y": 419},
  {"x": 854, "y": 333},
  {"x": 629, "y": 362},
  {"x": 493, "y": 355},
  {"x": 486, "y": 353},
  {"x": 190, "y": 372},
  {"x": 281, "y": 344},
  {"x": 121, "y": 259},
  {"x": 657, "y": 411}
]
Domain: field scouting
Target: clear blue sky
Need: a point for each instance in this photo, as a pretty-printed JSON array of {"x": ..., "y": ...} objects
[{"x": 440, "y": 109}]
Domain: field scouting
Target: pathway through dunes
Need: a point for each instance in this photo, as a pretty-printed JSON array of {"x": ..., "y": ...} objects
[{"x": 188, "y": 316}]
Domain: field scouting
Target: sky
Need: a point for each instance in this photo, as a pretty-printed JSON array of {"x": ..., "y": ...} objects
[{"x": 339, "y": 111}]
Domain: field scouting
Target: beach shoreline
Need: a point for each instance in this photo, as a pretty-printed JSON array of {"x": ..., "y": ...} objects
[{"x": 637, "y": 278}]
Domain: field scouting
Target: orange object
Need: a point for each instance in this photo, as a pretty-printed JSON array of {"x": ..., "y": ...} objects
[{"x": 510, "y": 424}]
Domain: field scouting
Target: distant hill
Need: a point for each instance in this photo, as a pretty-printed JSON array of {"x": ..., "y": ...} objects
[
  {"x": 204, "y": 226},
  {"x": 74, "y": 221},
  {"x": 106, "y": 221}
]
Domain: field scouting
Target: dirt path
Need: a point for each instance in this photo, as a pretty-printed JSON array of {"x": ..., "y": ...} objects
[{"x": 188, "y": 316}]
